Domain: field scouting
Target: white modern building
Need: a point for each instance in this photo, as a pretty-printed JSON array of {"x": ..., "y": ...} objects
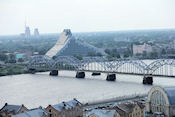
[{"x": 67, "y": 45}]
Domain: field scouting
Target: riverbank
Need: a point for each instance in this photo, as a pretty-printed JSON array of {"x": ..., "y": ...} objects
[{"x": 14, "y": 70}]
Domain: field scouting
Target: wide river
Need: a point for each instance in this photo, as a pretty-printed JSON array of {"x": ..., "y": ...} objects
[{"x": 34, "y": 90}]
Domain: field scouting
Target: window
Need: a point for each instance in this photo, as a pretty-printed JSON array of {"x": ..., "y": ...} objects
[{"x": 157, "y": 102}]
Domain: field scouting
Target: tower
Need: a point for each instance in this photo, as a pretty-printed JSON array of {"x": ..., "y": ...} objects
[
  {"x": 36, "y": 32},
  {"x": 27, "y": 31}
]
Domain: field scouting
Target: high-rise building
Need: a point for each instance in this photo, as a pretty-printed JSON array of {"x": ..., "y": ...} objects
[
  {"x": 36, "y": 32},
  {"x": 27, "y": 32}
]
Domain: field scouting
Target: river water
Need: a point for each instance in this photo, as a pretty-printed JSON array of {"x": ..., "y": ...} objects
[{"x": 34, "y": 90}]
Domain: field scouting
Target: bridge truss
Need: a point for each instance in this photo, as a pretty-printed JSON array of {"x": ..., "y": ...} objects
[{"x": 159, "y": 67}]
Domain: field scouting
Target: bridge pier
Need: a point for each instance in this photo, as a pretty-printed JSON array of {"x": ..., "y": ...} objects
[
  {"x": 54, "y": 73},
  {"x": 32, "y": 71},
  {"x": 80, "y": 74},
  {"x": 148, "y": 80},
  {"x": 96, "y": 73},
  {"x": 111, "y": 77}
]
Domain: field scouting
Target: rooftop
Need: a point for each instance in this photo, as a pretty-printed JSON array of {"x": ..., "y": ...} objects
[
  {"x": 33, "y": 113},
  {"x": 9, "y": 108},
  {"x": 170, "y": 91}
]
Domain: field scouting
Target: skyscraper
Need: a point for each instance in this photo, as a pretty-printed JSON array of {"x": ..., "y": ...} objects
[
  {"x": 27, "y": 32},
  {"x": 36, "y": 32}
]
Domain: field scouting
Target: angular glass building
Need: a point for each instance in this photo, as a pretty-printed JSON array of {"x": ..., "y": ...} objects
[{"x": 67, "y": 45}]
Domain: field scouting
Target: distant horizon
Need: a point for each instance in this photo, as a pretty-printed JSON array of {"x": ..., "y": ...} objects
[{"x": 155, "y": 29}]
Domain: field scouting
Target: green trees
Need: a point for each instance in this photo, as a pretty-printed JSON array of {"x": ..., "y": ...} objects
[
  {"x": 20, "y": 60},
  {"x": 79, "y": 57},
  {"x": 126, "y": 55},
  {"x": 163, "y": 52},
  {"x": 113, "y": 53},
  {"x": 154, "y": 54},
  {"x": 3, "y": 57},
  {"x": 144, "y": 54}
]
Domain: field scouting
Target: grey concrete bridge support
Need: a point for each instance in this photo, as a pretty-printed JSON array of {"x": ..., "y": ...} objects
[
  {"x": 148, "y": 79},
  {"x": 32, "y": 71},
  {"x": 54, "y": 73},
  {"x": 80, "y": 74},
  {"x": 111, "y": 77},
  {"x": 96, "y": 73}
]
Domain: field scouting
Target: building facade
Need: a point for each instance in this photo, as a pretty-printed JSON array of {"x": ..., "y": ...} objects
[
  {"x": 71, "y": 108},
  {"x": 38, "y": 112},
  {"x": 9, "y": 110},
  {"x": 161, "y": 100},
  {"x": 139, "y": 49},
  {"x": 134, "y": 109}
]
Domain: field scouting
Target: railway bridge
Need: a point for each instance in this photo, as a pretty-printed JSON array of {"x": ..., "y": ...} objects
[{"x": 98, "y": 65}]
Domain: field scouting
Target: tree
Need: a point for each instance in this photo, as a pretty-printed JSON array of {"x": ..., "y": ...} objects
[
  {"x": 118, "y": 55},
  {"x": 3, "y": 57},
  {"x": 107, "y": 51},
  {"x": 12, "y": 57},
  {"x": 91, "y": 54},
  {"x": 54, "y": 57},
  {"x": 126, "y": 55},
  {"x": 163, "y": 52},
  {"x": 79, "y": 57},
  {"x": 138, "y": 54},
  {"x": 153, "y": 54},
  {"x": 99, "y": 54},
  {"x": 144, "y": 54},
  {"x": 20, "y": 60}
]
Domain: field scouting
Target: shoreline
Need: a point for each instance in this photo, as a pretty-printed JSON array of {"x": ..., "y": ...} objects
[{"x": 116, "y": 99}]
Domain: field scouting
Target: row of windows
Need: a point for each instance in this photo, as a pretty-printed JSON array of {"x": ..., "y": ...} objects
[{"x": 157, "y": 102}]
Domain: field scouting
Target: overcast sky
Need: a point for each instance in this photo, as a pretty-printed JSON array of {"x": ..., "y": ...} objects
[{"x": 52, "y": 16}]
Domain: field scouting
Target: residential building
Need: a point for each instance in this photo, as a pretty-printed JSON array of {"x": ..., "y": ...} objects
[
  {"x": 161, "y": 100},
  {"x": 71, "y": 108},
  {"x": 134, "y": 109},
  {"x": 38, "y": 112},
  {"x": 139, "y": 49},
  {"x": 9, "y": 110},
  {"x": 102, "y": 113}
]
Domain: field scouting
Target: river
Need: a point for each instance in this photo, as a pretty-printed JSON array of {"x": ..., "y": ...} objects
[{"x": 34, "y": 90}]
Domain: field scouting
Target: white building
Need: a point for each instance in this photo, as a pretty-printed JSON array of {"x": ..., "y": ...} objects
[{"x": 139, "y": 49}]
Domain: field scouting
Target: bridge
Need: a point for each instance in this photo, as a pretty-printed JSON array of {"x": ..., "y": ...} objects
[{"x": 97, "y": 65}]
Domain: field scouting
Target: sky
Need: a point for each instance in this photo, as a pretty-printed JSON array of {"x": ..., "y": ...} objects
[{"x": 52, "y": 16}]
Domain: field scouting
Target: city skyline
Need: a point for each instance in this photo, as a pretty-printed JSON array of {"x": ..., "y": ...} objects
[{"x": 86, "y": 16}]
